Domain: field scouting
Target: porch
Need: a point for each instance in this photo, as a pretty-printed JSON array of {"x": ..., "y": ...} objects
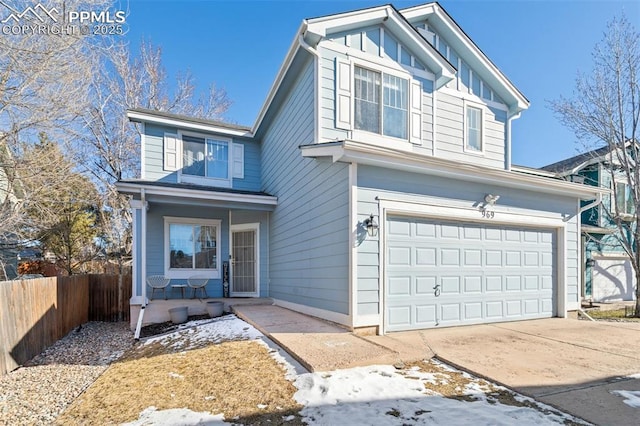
[{"x": 157, "y": 310}]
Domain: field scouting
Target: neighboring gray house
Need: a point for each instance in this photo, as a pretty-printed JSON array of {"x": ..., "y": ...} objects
[
  {"x": 374, "y": 190},
  {"x": 607, "y": 270}
]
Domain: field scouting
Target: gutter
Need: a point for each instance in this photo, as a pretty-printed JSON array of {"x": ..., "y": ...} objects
[
  {"x": 384, "y": 156},
  {"x": 316, "y": 86}
]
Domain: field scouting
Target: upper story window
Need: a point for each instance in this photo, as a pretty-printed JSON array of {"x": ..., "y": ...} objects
[
  {"x": 205, "y": 157},
  {"x": 203, "y": 160},
  {"x": 473, "y": 131},
  {"x": 624, "y": 199},
  {"x": 380, "y": 103}
]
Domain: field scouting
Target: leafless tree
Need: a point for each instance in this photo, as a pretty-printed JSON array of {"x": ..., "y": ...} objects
[
  {"x": 605, "y": 110},
  {"x": 44, "y": 85}
]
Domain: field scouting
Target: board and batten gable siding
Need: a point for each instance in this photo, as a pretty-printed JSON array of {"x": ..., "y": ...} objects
[
  {"x": 154, "y": 159},
  {"x": 375, "y": 181},
  {"x": 309, "y": 230},
  {"x": 450, "y": 133}
]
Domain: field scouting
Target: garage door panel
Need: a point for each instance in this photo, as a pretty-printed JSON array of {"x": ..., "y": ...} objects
[
  {"x": 400, "y": 256},
  {"x": 425, "y": 285},
  {"x": 513, "y": 308},
  {"x": 425, "y": 229},
  {"x": 472, "y": 257},
  {"x": 531, "y": 307},
  {"x": 425, "y": 256},
  {"x": 399, "y": 316},
  {"x": 450, "y": 231},
  {"x": 473, "y": 284},
  {"x": 531, "y": 282},
  {"x": 472, "y": 311},
  {"x": 400, "y": 286},
  {"x": 450, "y": 312},
  {"x": 450, "y": 285},
  {"x": 485, "y": 273},
  {"x": 493, "y": 284},
  {"x": 425, "y": 315},
  {"x": 494, "y": 310}
]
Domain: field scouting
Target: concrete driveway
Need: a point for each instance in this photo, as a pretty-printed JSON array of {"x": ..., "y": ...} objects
[{"x": 570, "y": 364}]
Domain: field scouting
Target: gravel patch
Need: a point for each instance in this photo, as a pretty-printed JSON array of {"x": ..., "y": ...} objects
[{"x": 36, "y": 393}]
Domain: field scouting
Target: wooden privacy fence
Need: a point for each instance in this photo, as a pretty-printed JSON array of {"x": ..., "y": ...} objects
[{"x": 35, "y": 313}]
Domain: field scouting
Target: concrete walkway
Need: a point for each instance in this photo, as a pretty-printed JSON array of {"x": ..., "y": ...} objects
[{"x": 322, "y": 346}]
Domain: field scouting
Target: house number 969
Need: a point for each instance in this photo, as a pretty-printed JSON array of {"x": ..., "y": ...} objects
[{"x": 488, "y": 214}]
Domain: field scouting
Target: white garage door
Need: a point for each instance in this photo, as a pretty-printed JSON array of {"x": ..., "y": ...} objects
[
  {"x": 612, "y": 280},
  {"x": 449, "y": 273}
]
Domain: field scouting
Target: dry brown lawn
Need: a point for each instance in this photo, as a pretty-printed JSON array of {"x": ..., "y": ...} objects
[{"x": 238, "y": 378}]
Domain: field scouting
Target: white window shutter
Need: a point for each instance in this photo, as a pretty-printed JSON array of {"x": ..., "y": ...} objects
[
  {"x": 344, "y": 84},
  {"x": 415, "y": 113},
  {"x": 238, "y": 161},
  {"x": 171, "y": 151}
]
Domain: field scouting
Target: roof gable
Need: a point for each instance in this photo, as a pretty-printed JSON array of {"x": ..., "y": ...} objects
[
  {"x": 389, "y": 18},
  {"x": 439, "y": 20}
]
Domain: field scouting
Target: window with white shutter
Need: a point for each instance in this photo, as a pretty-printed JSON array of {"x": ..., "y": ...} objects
[{"x": 171, "y": 151}]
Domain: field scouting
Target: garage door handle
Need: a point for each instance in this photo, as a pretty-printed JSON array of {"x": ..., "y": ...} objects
[{"x": 436, "y": 290}]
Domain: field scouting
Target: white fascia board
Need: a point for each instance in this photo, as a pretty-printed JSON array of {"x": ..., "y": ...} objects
[
  {"x": 346, "y": 21},
  {"x": 134, "y": 188},
  {"x": 388, "y": 16},
  {"x": 143, "y": 117},
  {"x": 531, "y": 171},
  {"x": 295, "y": 45},
  {"x": 445, "y": 24},
  {"x": 357, "y": 152}
]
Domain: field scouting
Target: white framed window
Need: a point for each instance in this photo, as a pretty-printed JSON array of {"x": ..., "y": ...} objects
[
  {"x": 203, "y": 159},
  {"x": 624, "y": 199},
  {"x": 381, "y": 103},
  {"x": 192, "y": 247},
  {"x": 473, "y": 129}
]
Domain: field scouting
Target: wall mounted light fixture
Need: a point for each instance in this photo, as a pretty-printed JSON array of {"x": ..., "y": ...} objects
[
  {"x": 491, "y": 199},
  {"x": 372, "y": 226}
]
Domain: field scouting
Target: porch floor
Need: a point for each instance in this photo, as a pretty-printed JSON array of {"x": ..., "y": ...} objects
[{"x": 157, "y": 310}]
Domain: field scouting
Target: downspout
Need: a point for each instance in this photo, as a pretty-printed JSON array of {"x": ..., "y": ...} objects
[
  {"x": 590, "y": 205},
  {"x": 507, "y": 148},
  {"x": 143, "y": 261},
  {"x": 316, "y": 90}
]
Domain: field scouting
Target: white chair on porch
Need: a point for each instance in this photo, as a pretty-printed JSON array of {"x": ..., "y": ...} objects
[
  {"x": 198, "y": 283},
  {"x": 158, "y": 282}
]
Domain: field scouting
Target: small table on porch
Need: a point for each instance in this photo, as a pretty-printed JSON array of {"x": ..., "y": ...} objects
[{"x": 182, "y": 288}]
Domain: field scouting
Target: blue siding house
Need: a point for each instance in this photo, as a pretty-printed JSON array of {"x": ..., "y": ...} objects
[
  {"x": 607, "y": 270},
  {"x": 375, "y": 188}
]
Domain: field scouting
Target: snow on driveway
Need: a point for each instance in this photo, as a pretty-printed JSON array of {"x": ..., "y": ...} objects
[{"x": 380, "y": 394}]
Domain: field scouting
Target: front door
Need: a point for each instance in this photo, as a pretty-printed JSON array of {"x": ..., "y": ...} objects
[{"x": 244, "y": 260}]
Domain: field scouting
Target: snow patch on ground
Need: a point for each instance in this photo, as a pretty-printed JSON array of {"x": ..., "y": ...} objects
[
  {"x": 176, "y": 417},
  {"x": 382, "y": 393},
  {"x": 196, "y": 333},
  {"x": 631, "y": 398}
]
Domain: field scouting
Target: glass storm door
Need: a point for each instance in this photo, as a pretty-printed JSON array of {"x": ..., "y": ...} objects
[{"x": 244, "y": 260}]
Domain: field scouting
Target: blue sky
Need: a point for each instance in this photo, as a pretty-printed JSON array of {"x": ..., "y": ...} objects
[{"x": 239, "y": 45}]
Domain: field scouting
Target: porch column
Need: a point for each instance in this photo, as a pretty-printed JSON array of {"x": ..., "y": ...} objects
[{"x": 138, "y": 250}]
